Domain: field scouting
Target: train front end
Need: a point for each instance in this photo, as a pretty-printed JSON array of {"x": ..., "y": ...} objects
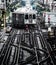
[{"x": 24, "y": 17}]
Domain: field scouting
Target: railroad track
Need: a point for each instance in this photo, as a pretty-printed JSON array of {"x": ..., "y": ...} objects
[
  {"x": 42, "y": 45},
  {"x": 25, "y": 47},
  {"x": 6, "y": 49}
]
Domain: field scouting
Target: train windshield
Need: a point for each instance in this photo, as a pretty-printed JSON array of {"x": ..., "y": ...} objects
[
  {"x": 34, "y": 16},
  {"x": 26, "y": 16},
  {"x": 30, "y": 16}
]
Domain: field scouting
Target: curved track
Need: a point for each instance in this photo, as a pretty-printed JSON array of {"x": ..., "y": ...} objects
[{"x": 25, "y": 47}]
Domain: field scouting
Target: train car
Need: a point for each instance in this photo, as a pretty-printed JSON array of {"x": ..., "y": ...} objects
[{"x": 24, "y": 16}]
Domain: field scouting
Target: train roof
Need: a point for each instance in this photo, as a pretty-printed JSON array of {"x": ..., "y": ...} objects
[{"x": 24, "y": 10}]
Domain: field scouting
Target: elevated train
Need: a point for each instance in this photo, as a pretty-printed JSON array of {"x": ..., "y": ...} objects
[{"x": 24, "y": 17}]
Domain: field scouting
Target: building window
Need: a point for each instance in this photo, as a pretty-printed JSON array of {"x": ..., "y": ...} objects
[
  {"x": 9, "y": 0},
  {"x": 2, "y": 0}
]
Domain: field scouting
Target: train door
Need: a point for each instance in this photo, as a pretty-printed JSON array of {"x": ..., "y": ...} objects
[{"x": 30, "y": 18}]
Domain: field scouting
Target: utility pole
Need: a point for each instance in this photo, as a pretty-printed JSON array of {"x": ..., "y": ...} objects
[
  {"x": 4, "y": 15},
  {"x": 3, "y": 10},
  {"x": 4, "y": 19}
]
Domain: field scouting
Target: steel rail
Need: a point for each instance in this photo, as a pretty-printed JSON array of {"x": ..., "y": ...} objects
[
  {"x": 17, "y": 52},
  {"x": 45, "y": 42},
  {"x": 35, "y": 47},
  {"x": 8, "y": 47},
  {"x": 8, "y": 53},
  {"x": 6, "y": 43}
]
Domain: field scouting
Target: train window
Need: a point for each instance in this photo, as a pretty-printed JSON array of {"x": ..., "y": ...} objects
[
  {"x": 30, "y": 16},
  {"x": 2, "y": 0},
  {"x": 17, "y": 17},
  {"x": 34, "y": 17},
  {"x": 26, "y": 16}
]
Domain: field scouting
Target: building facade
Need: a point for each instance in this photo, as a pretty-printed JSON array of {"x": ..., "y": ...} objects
[{"x": 10, "y": 1}]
